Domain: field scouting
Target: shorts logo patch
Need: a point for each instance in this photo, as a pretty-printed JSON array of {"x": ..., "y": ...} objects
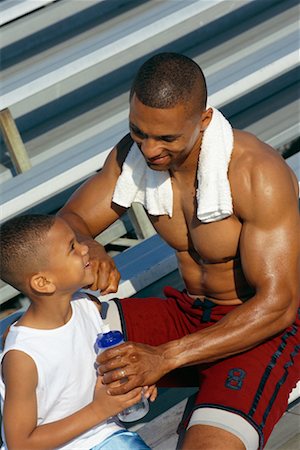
[{"x": 235, "y": 379}]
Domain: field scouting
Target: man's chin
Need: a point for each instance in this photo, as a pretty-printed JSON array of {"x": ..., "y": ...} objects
[{"x": 158, "y": 168}]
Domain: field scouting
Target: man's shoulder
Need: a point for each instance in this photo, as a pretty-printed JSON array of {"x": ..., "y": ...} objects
[
  {"x": 114, "y": 162},
  {"x": 122, "y": 148},
  {"x": 117, "y": 156},
  {"x": 256, "y": 171},
  {"x": 251, "y": 154},
  {"x": 246, "y": 141}
]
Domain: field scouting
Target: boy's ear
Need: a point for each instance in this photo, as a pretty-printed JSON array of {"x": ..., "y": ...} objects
[{"x": 39, "y": 282}]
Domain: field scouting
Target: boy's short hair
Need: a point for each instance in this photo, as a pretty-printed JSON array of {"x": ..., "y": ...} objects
[{"x": 22, "y": 246}]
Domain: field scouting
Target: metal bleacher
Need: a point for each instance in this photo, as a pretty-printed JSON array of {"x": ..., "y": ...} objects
[{"x": 67, "y": 69}]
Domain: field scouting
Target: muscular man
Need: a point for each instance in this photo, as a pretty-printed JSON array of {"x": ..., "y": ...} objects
[{"x": 236, "y": 321}]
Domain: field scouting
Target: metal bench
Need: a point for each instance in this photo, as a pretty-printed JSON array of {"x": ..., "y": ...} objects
[
  {"x": 14, "y": 9},
  {"x": 41, "y": 79}
]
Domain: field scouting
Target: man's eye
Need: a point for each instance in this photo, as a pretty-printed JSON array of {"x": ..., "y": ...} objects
[
  {"x": 137, "y": 132},
  {"x": 169, "y": 139}
]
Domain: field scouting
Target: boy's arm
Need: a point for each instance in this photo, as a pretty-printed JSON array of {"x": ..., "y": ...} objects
[{"x": 20, "y": 410}]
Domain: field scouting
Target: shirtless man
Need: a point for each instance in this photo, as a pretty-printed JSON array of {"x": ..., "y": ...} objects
[{"x": 237, "y": 319}]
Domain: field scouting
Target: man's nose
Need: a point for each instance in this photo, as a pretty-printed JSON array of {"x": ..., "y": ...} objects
[{"x": 150, "y": 148}]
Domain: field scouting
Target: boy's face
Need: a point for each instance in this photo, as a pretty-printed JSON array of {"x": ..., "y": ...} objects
[{"x": 68, "y": 261}]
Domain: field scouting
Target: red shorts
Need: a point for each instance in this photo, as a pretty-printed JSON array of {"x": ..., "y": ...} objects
[{"x": 255, "y": 384}]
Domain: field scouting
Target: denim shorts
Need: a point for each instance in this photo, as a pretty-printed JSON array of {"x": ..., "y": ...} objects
[{"x": 123, "y": 440}]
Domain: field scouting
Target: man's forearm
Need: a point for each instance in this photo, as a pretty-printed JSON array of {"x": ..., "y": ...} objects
[{"x": 243, "y": 328}]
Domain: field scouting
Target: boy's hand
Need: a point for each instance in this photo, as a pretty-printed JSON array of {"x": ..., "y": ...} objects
[
  {"x": 150, "y": 392},
  {"x": 110, "y": 405}
]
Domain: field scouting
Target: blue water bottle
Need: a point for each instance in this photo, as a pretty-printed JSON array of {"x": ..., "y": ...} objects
[{"x": 110, "y": 339}]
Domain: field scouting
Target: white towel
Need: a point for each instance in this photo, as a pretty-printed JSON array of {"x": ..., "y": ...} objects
[{"x": 138, "y": 183}]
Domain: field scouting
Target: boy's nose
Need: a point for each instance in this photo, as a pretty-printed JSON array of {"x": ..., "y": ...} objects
[{"x": 84, "y": 249}]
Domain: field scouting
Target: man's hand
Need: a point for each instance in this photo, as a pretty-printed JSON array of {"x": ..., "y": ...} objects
[
  {"x": 106, "y": 274},
  {"x": 130, "y": 365}
]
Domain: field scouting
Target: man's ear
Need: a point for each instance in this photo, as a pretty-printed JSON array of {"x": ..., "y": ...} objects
[
  {"x": 39, "y": 282},
  {"x": 206, "y": 118}
]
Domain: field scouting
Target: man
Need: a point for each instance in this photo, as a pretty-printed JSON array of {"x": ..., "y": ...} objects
[{"x": 236, "y": 319}]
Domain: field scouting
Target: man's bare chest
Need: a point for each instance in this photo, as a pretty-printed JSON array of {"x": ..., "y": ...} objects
[{"x": 210, "y": 242}]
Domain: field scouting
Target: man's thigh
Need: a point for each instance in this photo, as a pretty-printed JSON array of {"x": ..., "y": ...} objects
[
  {"x": 254, "y": 385},
  {"x": 155, "y": 321},
  {"x": 207, "y": 437}
]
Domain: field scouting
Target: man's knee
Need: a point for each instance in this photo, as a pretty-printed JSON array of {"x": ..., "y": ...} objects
[{"x": 207, "y": 437}]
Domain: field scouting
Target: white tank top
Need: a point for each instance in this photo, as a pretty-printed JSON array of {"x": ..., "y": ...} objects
[{"x": 65, "y": 359}]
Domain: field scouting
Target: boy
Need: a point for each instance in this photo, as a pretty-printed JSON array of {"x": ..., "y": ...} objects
[{"x": 48, "y": 402}]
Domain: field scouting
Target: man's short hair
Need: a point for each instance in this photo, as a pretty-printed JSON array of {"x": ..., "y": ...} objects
[
  {"x": 169, "y": 79},
  {"x": 22, "y": 246}
]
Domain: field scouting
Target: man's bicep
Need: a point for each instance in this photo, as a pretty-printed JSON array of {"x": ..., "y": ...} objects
[
  {"x": 20, "y": 405},
  {"x": 269, "y": 247}
]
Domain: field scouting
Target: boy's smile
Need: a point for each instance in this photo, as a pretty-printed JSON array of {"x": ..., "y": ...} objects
[{"x": 68, "y": 261}]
